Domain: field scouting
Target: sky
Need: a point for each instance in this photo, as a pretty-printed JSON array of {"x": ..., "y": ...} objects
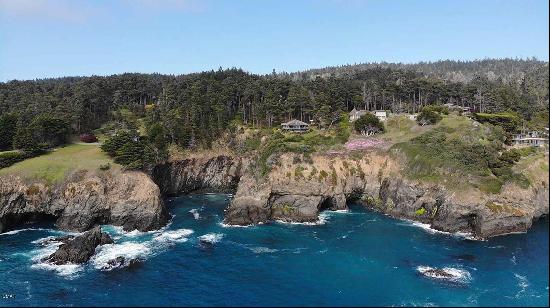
[{"x": 54, "y": 38}]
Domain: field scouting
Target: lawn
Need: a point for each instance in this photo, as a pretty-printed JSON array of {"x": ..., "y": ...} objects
[{"x": 54, "y": 166}]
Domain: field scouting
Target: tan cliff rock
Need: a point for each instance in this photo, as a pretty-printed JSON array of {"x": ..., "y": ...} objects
[
  {"x": 299, "y": 191},
  {"x": 128, "y": 199}
]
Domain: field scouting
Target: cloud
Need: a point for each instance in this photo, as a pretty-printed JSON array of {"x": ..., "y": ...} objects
[{"x": 60, "y": 10}]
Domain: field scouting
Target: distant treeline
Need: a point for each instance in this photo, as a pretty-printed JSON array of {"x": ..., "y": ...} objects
[{"x": 197, "y": 108}]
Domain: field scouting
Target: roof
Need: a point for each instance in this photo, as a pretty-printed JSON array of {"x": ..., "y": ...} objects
[
  {"x": 355, "y": 111},
  {"x": 294, "y": 123}
]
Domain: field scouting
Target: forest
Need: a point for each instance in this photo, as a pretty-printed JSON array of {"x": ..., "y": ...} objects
[{"x": 194, "y": 109}]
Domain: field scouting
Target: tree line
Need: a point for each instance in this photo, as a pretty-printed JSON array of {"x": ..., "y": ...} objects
[{"x": 194, "y": 109}]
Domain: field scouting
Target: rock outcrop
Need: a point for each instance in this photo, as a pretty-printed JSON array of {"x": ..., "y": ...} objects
[
  {"x": 127, "y": 199},
  {"x": 299, "y": 192},
  {"x": 80, "y": 248},
  {"x": 211, "y": 174}
]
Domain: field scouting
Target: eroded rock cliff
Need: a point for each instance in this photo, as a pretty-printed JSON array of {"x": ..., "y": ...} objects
[
  {"x": 212, "y": 174},
  {"x": 298, "y": 192},
  {"x": 128, "y": 199}
]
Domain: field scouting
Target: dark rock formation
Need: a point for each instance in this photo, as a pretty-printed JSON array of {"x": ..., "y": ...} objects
[
  {"x": 120, "y": 262},
  {"x": 128, "y": 199},
  {"x": 217, "y": 174},
  {"x": 80, "y": 248}
]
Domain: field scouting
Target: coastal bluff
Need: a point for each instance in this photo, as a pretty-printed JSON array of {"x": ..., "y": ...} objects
[
  {"x": 84, "y": 199},
  {"x": 298, "y": 192},
  {"x": 294, "y": 190}
]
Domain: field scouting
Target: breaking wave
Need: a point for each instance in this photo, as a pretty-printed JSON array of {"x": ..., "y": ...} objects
[
  {"x": 195, "y": 213},
  {"x": 447, "y": 273},
  {"x": 49, "y": 247},
  {"x": 211, "y": 238}
]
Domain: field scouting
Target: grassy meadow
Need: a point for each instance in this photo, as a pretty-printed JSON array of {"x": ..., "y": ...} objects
[{"x": 55, "y": 165}]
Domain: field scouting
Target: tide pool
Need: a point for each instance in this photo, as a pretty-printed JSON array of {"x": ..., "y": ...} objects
[{"x": 349, "y": 258}]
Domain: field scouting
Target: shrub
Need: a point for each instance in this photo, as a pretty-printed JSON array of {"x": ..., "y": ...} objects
[
  {"x": 105, "y": 167},
  {"x": 420, "y": 211},
  {"x": 510, "y": 156},
  {"x": 428, "y": 116},
  {"x": 88, "y": 138},
  {"x": 9, "y": 158},
  {"x": 113, "y": 144},
  {"x": 507, "y": 120},
  {"x": 368, "y": 124}
]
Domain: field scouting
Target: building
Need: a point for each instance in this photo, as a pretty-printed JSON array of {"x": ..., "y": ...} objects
[
  {"x": 356, "y": 114},
  {"x": 531, "y": 138},
  {"x": 412, "y": 116},
  {"x": 382, "y": 115},
  {"x": 296, "y": 126}
]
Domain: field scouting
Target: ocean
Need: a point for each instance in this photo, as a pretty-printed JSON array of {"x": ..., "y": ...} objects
[{"x": 353, "y": 258}]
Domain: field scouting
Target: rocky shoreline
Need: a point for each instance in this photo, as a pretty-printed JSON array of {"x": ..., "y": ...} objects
[{"x": 291, "y": 192}]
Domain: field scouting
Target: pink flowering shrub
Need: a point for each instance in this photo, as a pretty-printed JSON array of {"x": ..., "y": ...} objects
[{"x": 363, "y": 144}]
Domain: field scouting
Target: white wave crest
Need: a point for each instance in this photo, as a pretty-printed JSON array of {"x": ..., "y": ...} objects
[
  {"x": 195, "y": 213},
  {"x": 177, "y": 236},
  {"x": 447, "y": 273},
  {"x": 65, "y": 270},
  {"x": 211, "y": 237},
  {"x": 106, "y": 255},
  {"x": 429, "y": 229},
  {"x": 128, "y": 250},
  {"x": 224, "y": 225},
  {"x": 23, "y": 230}
]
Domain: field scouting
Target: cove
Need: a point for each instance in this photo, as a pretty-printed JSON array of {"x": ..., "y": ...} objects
[{"x": 348, "y": 258}]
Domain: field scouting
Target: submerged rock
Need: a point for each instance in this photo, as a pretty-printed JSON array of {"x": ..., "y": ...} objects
[
  {"x": 120, "y": 262},
  {"x": 450, "y": 274},
  {"x": 80, "y": 248}
]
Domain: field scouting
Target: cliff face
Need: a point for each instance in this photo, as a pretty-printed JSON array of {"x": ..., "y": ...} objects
[
  {"x": 298, "y": 192},
  {"x": 292, "y": 191},
  {"x": 213, "y": 174},
  {"x": 127, "y": 199}
]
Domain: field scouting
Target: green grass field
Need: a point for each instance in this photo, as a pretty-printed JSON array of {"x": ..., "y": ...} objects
[{"x": 54, "y": 166}]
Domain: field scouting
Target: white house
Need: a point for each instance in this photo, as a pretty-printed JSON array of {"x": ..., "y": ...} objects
[
  {"x": 356, "y": 114},
  {"x": 531, "y": 138},
  {"x": 382, "y": 115}
]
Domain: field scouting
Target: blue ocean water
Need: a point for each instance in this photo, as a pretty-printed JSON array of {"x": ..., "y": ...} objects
[{"x": 351, "y": 258}]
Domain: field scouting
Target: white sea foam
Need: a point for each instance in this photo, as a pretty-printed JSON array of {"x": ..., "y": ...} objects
[
  {"x": 321, "y": 220},
  {"x": 523, "y": 284},
  {"x": 133, "y": 250},
  {"x": 429, "y": 229},
  {"x": 175, "y": 236},
  {"x": 263, "y": 250},
  {"x": 195, "y": 213},
  {"x": 22, "y": 230},
  {"x": 66, "y": 270},
  {"x": 224, "y": 225},
  {"x": 128, "y": 250},
  {"x": 211, "y": 237},
  {"x": 456, "y": 274}
]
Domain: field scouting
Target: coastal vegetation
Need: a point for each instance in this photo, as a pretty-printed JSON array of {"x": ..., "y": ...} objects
[{"x": 141, "y": 120}]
